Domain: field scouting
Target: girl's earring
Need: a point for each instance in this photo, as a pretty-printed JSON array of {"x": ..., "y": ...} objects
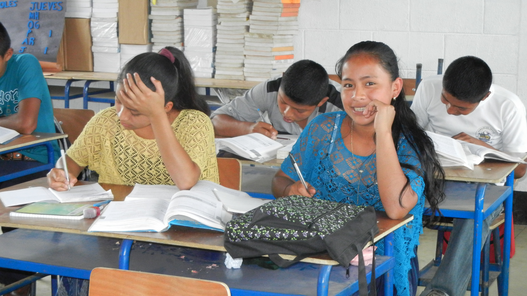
[{"x": 394, "y": 98}]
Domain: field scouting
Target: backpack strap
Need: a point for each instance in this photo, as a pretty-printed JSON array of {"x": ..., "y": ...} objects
[
  {"x": 278, "y": 260},
  {"x": 363, "y": 282}
]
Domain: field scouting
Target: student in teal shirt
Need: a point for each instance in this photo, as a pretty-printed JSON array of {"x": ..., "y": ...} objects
[{"x": 25, "y": 103}]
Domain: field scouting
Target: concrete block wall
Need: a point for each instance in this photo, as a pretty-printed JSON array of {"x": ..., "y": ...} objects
[{"x": 421, "y": 31}]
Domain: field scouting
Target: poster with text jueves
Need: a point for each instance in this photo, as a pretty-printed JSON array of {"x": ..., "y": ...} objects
[{"x": 34, "y": 27}]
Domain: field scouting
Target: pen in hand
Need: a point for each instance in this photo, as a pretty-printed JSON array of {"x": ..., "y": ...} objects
[
  {"x": 64, "y": 163},
  {"x": 261, "y": 116},
  {"x": 298, "y": 172}
]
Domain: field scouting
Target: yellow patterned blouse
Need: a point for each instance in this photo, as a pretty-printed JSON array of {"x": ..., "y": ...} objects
[{"x": 119, "y": 156}]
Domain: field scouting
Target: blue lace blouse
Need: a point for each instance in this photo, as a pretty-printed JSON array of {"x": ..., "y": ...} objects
[{"x": 338, "y": 175}]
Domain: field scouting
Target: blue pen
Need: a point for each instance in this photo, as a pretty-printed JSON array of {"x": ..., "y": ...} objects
[{"x": 101, "y": 203}]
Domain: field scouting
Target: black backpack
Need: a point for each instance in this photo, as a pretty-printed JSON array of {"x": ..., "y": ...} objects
[{"x": 303, "y": 227}]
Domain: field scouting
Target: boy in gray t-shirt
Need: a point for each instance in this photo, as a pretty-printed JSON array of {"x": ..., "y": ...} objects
[{"x": 290, "y": 102}]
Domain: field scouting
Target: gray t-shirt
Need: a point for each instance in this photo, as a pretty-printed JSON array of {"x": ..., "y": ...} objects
[{"x": 264, "y": 97}]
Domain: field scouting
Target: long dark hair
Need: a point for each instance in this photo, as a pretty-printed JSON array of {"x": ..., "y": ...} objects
[
  {"x": 176, "y": 77},
  {"x": 405, "y": 123}
]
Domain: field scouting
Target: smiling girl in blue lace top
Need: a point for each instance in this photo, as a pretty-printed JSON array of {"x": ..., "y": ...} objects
[{"x": 374, "y": 154}]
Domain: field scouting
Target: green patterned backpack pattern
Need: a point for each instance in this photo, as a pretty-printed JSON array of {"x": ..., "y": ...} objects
[{"x": 301, "y": 226}]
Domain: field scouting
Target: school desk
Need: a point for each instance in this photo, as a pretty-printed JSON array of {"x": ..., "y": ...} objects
[
  {"x": 187, "y": 240},
  {"x": 473, "y": 197},
  {"x": 108, "y": 95},
  {"x": 14, "y": 169},
  {"x": 199, "y": 81}
]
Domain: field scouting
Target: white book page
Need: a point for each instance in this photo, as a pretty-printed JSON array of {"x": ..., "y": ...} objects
[
  {"x": 134, "y": 215},
  {"x": 238, "y": 201},
  {"x": 142, "y": 191},
  {"x": 205, "y": 209},
  {"x": 449, "y": 148},
  {"x": 90, "y": 192},
  {"x": 7, "y": 134},
  {"x": 233, "y": 201},
  {"x": 26, "y": 196},
  {"x": 254, "y": 146},
  {"x": 484, "y": 152}
]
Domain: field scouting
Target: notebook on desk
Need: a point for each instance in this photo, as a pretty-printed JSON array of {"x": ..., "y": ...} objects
[
  {"x": 81, "y": 193},
  {"x": 52, "y": 210},
  {"x": 7, "y": 135}
]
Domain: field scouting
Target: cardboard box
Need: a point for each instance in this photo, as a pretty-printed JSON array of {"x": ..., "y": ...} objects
[
  {"x": 75, "y": 48},
  {"x": 134, "y": 26}
]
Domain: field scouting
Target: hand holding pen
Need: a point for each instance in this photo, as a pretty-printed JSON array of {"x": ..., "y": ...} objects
[
  {"x": 65, "y": 164},
  {"x": 264, "y": 127},
  {"x": 309, "y": 190}
]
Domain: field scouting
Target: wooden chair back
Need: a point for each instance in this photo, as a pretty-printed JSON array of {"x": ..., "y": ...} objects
[
  {"x": 73, "y": 121},
  {"x": 230, "y": 173},
  {"x": 118, "y": 282}
]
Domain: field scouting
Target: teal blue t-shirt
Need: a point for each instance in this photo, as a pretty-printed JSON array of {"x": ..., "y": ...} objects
[{"x": 23, "y": 79}]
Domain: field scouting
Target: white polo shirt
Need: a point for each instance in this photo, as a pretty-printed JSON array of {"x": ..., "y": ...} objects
[{"x": 499, "y": 120}]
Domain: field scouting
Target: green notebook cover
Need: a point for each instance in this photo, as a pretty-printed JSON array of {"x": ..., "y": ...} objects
[{"x": 52, "y": 210}]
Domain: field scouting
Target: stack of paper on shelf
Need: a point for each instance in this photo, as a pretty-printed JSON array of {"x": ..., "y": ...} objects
[
  {"x": 78, "y": 9},
  {"x": 106, "y": 57},
  {"x": 128, "y": 51},
  {"x": 167, "y": 22},
  {"x": 233, "y": 23},
  {"x": 267, "y": 56},
  {"x": 200, "y": 39},
  {"x": 269, "y": 49}
]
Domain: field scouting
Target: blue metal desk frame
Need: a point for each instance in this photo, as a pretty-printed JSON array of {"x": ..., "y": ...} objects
[
  {"x": 324, "y": 273},
  {"x": 86, "y": 94},
  {"x": 75, "y": 255},
  {"x": 67, "y": 97},
  {"x": 15, "y": 169},
  {"x": 478, "y": 215}
]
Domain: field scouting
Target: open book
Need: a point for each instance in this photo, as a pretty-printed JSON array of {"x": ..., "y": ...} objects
[
  {"x": 91, "y": 192},
  {"x": 155, "y": 207},
  {"x": 288, "y": 141},
  {"x": 7, "y": 134},
  {"x": 454, "y": 153},
  {"x": 253, "y": 146}
]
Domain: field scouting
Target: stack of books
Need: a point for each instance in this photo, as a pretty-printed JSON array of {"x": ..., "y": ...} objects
[
  {"x": 128, "y": 51},
  {"x": 167, "y": 22},
  {"x": 200, "y": 40},
  {"x": 233, "y": 23},
  {"x": 78, "y": 9},
  {"x": 269, "y": 46},
  {"x": 106, "y": 56}
]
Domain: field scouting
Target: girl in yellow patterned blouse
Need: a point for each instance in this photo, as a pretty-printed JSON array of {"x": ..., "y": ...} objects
[{"x": 157, "y": 133}]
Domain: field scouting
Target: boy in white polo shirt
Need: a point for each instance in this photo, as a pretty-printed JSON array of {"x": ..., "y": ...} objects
[{"x": 465, "y": 105}]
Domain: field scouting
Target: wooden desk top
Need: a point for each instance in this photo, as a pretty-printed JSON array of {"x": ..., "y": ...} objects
[
  {"x": 487, "y": 172},
  {"x": 103, "y": 76},
  {"x": 34, "y": 138},
  {"x": 178, "y": 236}
]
